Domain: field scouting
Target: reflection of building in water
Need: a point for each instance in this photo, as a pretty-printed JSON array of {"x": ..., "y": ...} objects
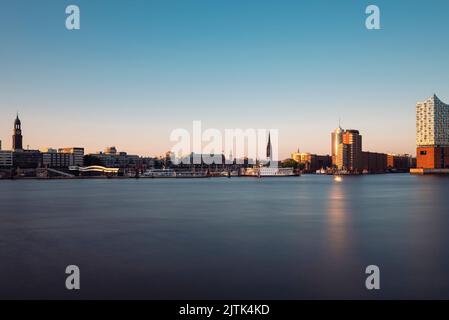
[{"x": 338, "y": 230}]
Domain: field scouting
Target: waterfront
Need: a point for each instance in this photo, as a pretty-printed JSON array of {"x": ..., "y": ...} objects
[{"x": 277, "y": 238}]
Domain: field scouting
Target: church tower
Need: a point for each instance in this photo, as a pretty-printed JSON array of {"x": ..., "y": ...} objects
[
  {"x": 17, "y": 136},
  {"x": 269, "y": 148}
]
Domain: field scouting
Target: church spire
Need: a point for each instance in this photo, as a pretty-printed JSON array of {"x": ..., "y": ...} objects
[
  {"x": 17, "y": 121},
  {"x": 269, "y": 149}
]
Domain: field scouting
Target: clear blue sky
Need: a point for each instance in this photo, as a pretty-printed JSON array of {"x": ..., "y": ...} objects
[{"x": 138, "y": 69}]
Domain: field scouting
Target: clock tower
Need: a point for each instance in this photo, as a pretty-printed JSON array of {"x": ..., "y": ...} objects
[{"x": 17, "y": 135}]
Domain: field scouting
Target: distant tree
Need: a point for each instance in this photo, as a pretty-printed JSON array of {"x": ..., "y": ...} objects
[{"x": 290, "y": 163}]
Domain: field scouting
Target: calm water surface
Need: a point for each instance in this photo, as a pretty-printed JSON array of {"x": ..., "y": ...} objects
[{"x": 239, "y": 238}]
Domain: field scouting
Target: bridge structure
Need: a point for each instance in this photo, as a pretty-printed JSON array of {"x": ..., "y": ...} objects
[{"x": 61, "y": 173}]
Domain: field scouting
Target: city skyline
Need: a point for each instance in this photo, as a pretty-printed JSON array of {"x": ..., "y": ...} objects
[
  {"x": 18, "y": 145},
  {"x": 241, "y": 156},
  {"x": 135, "y": 72}
]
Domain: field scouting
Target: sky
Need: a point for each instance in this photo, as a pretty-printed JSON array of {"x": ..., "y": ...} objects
[{"x": 136, "y": 70}]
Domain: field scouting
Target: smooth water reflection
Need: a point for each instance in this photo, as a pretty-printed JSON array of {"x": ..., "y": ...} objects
[{"x": 280, "y": 238}]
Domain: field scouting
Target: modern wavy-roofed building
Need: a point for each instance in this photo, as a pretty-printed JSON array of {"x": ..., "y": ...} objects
[{"x": 95, "y": 169}]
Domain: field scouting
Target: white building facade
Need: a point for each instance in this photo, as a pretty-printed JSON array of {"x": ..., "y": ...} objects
[{"x": 432, "y": 123}]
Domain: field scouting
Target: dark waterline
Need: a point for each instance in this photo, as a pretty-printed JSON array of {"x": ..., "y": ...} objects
[{"x": 276, "y": 238}]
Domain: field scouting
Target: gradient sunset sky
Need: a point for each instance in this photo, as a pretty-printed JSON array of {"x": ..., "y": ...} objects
[{"x": 139, "y": 69}]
